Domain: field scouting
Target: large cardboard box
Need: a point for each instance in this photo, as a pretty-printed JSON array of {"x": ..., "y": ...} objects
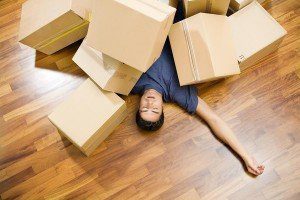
[
  {"x": 203, "y": 48},
  {"x": 109, "y": 73},
  {"x": 239, "y": 4},
  {"x": 89, "y": 116},
  {"x": 132, "y": 31},
  {"x": 49, "y": 26},
  {"x": 256, "y": 34},
  {"x": 192, "y": 7}
]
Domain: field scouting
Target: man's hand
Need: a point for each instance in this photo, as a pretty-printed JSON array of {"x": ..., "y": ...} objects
[
  {"x": 224, "y": 132},
  {"x": 253, "y": 167}
]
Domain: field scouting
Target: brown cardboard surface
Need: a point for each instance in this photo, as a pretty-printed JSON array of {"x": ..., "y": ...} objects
[
  {"x": 256, "y": 34},
  {"x": 132, "y": 31},
  {"x": 173, "y": 3},
  {"x": 109, "y": 73},
  {"x": 43, "y": 21},
  {"x": 203, "y": 49},
  {"x": 88, "y": 116},
  {"x": 192, "y": 7},
  {"x": 239, "y": 4},
  {"x": 64, "y": 39}
]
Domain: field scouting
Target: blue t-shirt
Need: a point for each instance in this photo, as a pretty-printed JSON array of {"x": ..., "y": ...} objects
[{"x": 162, "y": 77}]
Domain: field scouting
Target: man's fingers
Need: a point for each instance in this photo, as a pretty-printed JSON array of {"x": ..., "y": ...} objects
[
  {"x": 253, "y": 171},
  {"x": 255, "y": 168},
  {"x": 261, "y": 167}
]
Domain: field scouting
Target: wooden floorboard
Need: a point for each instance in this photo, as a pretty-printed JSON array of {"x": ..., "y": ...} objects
[{"x": 183, "y": 160}]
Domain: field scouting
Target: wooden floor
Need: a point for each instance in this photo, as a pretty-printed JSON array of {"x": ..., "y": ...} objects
[{"x": 181, "y": 161}]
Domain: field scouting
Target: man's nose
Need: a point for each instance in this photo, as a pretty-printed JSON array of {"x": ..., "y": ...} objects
[{"x": 149, "y": 103}]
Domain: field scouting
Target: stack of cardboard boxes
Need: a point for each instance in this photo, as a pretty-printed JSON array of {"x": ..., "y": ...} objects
[
  {"x": 206, "y": 47},
  {"x": 124, "y": 38}
]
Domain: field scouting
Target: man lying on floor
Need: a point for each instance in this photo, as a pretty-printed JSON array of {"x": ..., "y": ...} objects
[{"x": 160, "y": 83}]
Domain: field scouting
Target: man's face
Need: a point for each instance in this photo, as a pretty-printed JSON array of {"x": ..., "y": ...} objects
[{"x": 151, "y": 105}]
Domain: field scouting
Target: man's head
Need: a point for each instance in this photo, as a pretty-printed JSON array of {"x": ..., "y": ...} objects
[{"x": 150, "y": 115}]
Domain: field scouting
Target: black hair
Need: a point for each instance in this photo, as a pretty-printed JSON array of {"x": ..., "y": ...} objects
[{"x": 147, "y": 125}]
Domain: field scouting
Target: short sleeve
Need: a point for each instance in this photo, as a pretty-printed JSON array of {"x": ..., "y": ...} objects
[
  {"x": 144, "y": 83},
  {"x": 186, "y": 97}
]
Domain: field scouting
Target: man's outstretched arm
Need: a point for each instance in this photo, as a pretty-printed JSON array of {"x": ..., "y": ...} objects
[{"x": 223, "y": 132}]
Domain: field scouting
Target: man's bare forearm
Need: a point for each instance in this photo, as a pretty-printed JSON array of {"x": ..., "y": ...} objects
[{"x": 221, "y": 129}]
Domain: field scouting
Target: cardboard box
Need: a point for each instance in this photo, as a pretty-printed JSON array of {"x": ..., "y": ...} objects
[
  {"x": 192, "y": 7},
  {"x": 89, "y": 116},
  {"x": 256, "y": 34},
  {"x": 109, "y": 73},
  {"x": 49, "y": 26},
  {"x": 203, "y": 48},
  {"x": 173, "y": 3},
  {"x": 132, "y": 31},
  {"x": 239, "y": 4}
]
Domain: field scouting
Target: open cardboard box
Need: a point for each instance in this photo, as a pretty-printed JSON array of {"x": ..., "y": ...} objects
[{"x": 109, "y": 73}]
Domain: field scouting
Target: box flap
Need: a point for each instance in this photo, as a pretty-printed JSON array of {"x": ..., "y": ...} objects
[
  {"x": 91, "y": 62},
  {"x": 109, "y": 73}
]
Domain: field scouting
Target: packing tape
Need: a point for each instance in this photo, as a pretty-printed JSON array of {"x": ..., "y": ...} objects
[
  {"x": 55, "y": 35},
  {"x": 52, "y": 40},
  {"x": 191, "y": 51}
]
